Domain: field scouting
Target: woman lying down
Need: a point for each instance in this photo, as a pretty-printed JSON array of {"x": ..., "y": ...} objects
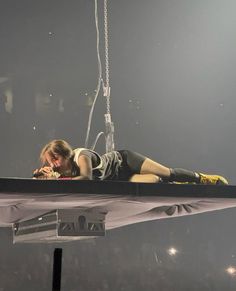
[{"x": 60, "y": 161}]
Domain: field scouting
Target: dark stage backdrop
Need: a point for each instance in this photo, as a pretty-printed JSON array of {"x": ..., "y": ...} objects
[{"x": 172, "y": 69}]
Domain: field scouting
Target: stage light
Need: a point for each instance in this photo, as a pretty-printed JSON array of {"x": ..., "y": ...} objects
[
  {"x": 172, "y": 251},
  {"x": 231, "y": 270}
]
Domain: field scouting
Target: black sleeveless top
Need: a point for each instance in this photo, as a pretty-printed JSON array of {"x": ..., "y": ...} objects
[{"x": 104, "y": 167}]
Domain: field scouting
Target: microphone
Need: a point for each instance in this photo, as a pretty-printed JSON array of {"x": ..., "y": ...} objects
[{"x": 38, "y": 174}]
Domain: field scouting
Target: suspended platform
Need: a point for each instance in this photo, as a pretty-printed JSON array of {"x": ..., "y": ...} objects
[{"x": 59, "y": 210}]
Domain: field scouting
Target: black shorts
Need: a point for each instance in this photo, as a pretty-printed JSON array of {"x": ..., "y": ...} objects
[{"x": 131, "y": 164}]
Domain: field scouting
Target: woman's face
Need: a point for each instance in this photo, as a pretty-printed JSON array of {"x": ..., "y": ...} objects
[{"x": 57, "y": 162}]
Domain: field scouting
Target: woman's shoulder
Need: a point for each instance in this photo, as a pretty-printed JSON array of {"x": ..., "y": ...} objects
[
  {"x": 80, "y": 150},
  {"x": 84, "y": 151}
]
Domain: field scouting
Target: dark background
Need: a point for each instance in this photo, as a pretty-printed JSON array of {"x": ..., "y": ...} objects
[{"x": 172, "y": 69}]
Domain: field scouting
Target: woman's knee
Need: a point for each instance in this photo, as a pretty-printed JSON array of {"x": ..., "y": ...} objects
[
  {"x": 146, "y": 178},
  {"x": 154, "y": 179}
]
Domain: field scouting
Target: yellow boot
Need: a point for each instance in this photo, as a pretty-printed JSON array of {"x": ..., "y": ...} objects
[{"x": 212, "y": 179}]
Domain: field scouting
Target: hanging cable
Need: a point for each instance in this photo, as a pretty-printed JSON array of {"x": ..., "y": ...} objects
[
  {"x": 99, "y": 79},
  {"x": 96, "y": 140},
  {"x": 110, "y": 144},
  {"x": 109, "y": 126}
]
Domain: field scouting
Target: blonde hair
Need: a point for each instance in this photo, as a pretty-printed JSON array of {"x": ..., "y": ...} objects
[{"x": 56, "y": 147}]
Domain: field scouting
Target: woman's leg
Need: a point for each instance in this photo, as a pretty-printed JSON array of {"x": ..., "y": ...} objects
[
  {"x": 144, "y": 178},
  {"x": 151, "y": 167},
  {"x": 147, "y": 170},
  {"x": 139, "y": 166},
  {"x": 168, "y": 174},
  {"x": 179, "y": 175}
]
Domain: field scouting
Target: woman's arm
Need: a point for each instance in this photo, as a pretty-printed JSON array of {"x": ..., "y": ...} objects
[{"x": 85, "y": 165}]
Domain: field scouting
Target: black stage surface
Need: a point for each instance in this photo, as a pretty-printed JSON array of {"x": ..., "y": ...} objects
[{"x": 123, "y": 203}]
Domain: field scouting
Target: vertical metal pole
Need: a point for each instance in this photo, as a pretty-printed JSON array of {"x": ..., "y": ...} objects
[{"x": 57, "y": 260}]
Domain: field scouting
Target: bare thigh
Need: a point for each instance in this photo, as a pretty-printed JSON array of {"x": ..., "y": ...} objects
[
  {"x": 151, "y": 167},
  {"x": 144, "y": 178}
]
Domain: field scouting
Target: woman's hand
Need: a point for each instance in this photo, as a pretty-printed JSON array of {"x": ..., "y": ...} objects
[{"x": 46, "y": 173}]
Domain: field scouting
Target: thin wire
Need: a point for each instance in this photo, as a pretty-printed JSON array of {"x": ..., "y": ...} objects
[
  {"x": 106, "y": 87},
  {"x": 96, "y": 140},
  {"x": 99, "y": 79}
]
